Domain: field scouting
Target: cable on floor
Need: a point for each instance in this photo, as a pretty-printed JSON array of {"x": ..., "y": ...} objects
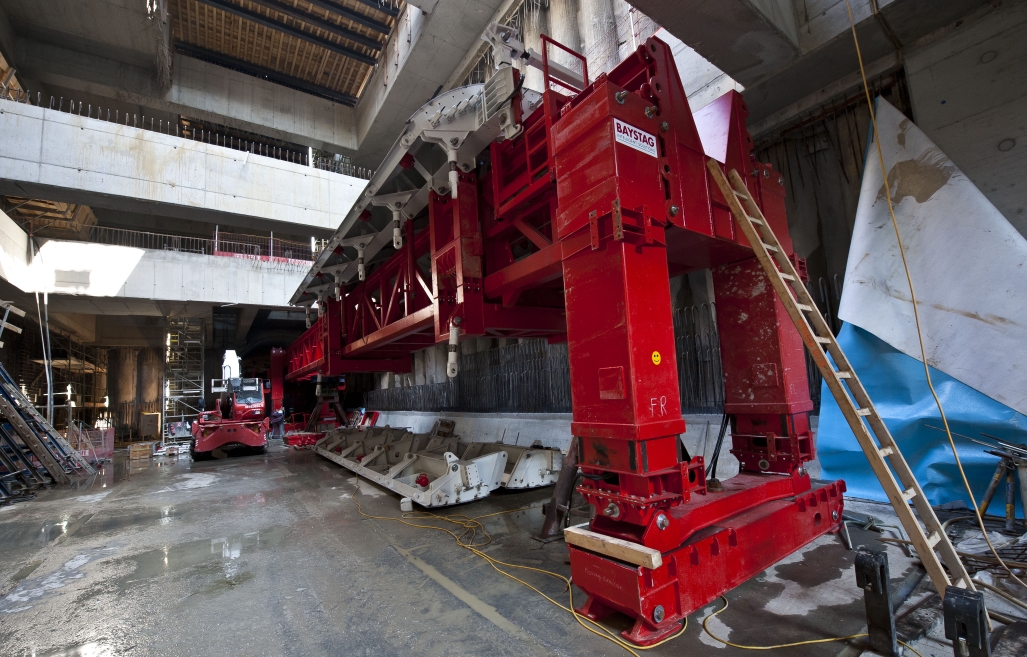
[
  {"x": 470, "y": 541},
  {"x": 794, "y": 644},
  {"x": 912, "y": 295}
]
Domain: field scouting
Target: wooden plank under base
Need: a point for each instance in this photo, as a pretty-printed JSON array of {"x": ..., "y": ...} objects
[{"x": 633, "y": 553}]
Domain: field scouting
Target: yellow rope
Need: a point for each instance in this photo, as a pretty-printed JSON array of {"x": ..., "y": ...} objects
[
  {"x": 468, "y": 539},
  {"x": 787, "y": 645},
  {"x": 916, "y": 312}
]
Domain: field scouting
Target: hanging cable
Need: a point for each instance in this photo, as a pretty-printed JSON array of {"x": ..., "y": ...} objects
[
  {"x": 916, "y": 313},
  {"x": 794, "y": 644}
]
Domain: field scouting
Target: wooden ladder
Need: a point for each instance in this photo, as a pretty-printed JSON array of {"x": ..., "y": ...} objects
[{"x": 897, "y": 480}]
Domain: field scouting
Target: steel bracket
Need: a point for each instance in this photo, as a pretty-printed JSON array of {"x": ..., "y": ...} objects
[
  {"x": 872, "y": 575},
  {"x": 966, "y": 622}
]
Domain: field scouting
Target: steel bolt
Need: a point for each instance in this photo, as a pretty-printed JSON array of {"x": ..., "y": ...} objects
[
  {"x": 611, "y": 510},
  {"x": 662, "y": 522},
  {"x": 834, "y": 516},
  {"x": 674, "y": 210},
  {"x": 650, "y": 111},
  {"x": 658, "y": 614},
  {"x": 454, "y": 141},
  {"x": 665, "y": 126},
  {"x": 764, "y": 464},
  {"x": 454, "y": 467},
  {"x": 621, "y": 96}
]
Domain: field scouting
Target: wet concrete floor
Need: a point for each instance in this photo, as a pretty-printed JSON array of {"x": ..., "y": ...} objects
[{"x": 268, "y": 555}]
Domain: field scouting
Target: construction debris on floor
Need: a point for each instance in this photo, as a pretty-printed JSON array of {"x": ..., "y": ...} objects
[{"x": 437, "y": 468}]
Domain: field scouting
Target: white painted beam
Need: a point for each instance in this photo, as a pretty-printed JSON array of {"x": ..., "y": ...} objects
[{"x": 121, "y": 272}]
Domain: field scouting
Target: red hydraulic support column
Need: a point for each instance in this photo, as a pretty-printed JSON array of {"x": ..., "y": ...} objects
[
  {"x": 766, "y": 392},
  {"x": 456, "y": 247},
  {"x": 277, "y": 372},
  {"x": 624, "y": 158}
]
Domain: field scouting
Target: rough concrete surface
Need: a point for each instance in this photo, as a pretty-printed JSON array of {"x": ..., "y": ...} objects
[
  {"x": 59, "y": 156},
  {"x": 268, "y": 555}
]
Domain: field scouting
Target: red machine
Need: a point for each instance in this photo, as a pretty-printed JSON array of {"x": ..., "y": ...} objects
[
  {"x": 566, "y": 221},
  {"x": 239, "y": 419}
]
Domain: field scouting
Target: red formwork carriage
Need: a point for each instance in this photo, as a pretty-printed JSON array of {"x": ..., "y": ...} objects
[{"x": 568, "y": 224}]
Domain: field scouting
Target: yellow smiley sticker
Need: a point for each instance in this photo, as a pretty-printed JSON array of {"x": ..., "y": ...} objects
[{"x": 656, "y": 358}]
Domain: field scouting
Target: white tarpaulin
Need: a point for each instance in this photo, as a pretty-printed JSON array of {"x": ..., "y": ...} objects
[{"x": 966, "y": 260}]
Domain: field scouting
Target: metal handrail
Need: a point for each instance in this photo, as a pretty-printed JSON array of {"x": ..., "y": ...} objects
[{"x": 234, "y": 243}]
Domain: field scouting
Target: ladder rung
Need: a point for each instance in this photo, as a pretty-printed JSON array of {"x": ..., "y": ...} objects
[
  {"x": 822, "y": 340},
  {"x": 733, "y": 182}
]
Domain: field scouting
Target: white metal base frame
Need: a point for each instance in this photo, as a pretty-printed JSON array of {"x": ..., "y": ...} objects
[{"x": 436, "y": 471}]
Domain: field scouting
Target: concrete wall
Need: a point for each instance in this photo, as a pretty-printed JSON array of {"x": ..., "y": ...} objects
[
  {"x": 58, "y": 156},
  {"x": 968, "y": 90},
  {"x": 101, "y": 270}
]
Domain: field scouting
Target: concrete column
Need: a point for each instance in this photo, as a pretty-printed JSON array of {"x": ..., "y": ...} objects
[
  {"x": 418, "y": 368},
  {"x": 563, "y": 27},
  {"x": 599, "y": 32},
  {"x": 151, "y": 380},
  {"x": 625, "y": 33},
  {"x": 123, "y": 404},
  {"x": 536, "y": 23}
]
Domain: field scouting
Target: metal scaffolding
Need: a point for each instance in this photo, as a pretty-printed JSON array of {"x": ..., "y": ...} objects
[{"x": 183, "y": 375}]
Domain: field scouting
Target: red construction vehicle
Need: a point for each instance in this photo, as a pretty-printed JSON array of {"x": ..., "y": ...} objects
[
  {"x": 238, "y": 420},
  {"x": 504, "y": 212}
]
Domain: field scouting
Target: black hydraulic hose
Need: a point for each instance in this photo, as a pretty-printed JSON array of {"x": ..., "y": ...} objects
[{"x": 711, "y": 470}]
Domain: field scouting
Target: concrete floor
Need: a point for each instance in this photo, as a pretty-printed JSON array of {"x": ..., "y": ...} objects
[{"x": 267, "y": 555}]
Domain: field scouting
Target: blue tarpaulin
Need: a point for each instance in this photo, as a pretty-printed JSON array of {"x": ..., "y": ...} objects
[{"x": 898, "y": 387}]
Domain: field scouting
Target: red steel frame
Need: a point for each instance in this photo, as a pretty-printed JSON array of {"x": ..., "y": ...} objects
[{"x": 573, "y": 234}]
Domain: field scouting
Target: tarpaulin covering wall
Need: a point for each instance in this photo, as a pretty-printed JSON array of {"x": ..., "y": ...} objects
[
  {"x": 969, "y": 269},
  {"x": 896, "y": 384}
]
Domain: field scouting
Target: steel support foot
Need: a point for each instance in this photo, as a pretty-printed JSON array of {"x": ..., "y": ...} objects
[
  {"x": 872, "y": 576},
  {"x": 966, "y": 622},
  {"x": 645, "y": 633}
]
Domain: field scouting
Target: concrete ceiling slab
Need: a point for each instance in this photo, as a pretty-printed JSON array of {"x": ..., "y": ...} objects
[{"x": 115, "y": 29}]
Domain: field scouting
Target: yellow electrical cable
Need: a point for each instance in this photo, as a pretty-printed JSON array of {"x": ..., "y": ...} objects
[
  {"x": 794, "y": 644},
  {"x": 912, "y": 296},
  {"x": 466, "y": 539}
]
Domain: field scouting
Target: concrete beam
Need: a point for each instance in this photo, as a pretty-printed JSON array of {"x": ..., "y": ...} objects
[
  {"x": 426, "y": 46},
  {"x": 748, "y": 40},
  {"x": 119, "y": 272},
  {"x": 199, "y": 90},
  {"x": 63, "y": 157},
  {"x": 781, "y": 57}
]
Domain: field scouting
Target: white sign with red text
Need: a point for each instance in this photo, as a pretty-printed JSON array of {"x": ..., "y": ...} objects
[{"x": 634, "y": 138}]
